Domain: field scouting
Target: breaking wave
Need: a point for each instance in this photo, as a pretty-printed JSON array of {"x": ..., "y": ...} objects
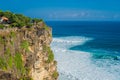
[{"x": 80, "y": 65}]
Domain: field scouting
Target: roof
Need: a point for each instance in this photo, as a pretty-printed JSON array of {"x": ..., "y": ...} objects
[{"x": 5, "y": 18}]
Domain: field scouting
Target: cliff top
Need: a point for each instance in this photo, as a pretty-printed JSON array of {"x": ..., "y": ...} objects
[{"x": 9, "y": 19}]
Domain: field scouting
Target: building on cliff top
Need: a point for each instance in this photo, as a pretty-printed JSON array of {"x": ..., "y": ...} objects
[{"x": 3, "y": 20}]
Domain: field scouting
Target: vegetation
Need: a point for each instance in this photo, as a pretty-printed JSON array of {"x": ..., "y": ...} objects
[
  {"x": 7, "y": 52},
  {"x": 10, "y": 62},
  {"x": 19, "y": 64},
  {"x": 1, "y": 40},
  {"x": 26, "y": 78},
  {"x": 18, "y": 61},
  {"x": 1, "y": 26},
  {"x": 55, "y": 74},
  {"x": 13, "y": 63},
  {"x": 12, "y": 34},
  {"x": 10, "y": 59},
  {"x": 50, "y": 56},
  {"x": 25, "y": 45},
  {"x": 36, "y": 20},
  {"x": 3, "y": 64},
  {"x": 18, "y": 20},
  {"x": 50, "y": 53},
  {"x": 46, "y": 27}
]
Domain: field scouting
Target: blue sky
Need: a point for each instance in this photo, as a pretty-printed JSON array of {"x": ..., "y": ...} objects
[{"x": 65, "y": 9}]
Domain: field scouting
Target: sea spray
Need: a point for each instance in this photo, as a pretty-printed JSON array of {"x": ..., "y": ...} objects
[{"x": 78, "y": 65}]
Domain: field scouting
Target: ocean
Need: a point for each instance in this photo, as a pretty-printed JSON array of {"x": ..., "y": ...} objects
[{"x": 86, "y": 50}]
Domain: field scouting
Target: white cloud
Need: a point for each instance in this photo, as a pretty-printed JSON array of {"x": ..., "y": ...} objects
[{"x": 74, "y": 14}]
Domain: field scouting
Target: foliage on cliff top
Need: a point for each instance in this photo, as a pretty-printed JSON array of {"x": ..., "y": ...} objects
[{"x": 17, "y": 20}]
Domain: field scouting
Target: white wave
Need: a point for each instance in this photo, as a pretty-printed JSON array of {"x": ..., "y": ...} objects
[
  {"x": 77, "y": 65},
  {"x": 67, "y": 42}
]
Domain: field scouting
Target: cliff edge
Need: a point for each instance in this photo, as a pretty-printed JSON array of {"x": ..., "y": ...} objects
[{"x": 25, "y": 53}]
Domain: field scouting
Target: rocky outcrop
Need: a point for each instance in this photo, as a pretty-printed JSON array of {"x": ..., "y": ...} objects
[{"x": 25, "y": 54}]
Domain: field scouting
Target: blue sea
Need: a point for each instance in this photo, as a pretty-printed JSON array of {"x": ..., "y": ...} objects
[{"x": 86, "y": 50}]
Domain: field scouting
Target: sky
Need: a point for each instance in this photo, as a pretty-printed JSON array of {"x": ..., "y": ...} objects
[{"x": 65, "y": 9}]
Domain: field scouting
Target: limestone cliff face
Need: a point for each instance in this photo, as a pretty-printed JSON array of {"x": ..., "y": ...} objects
[{"x": 25, "y": 54}]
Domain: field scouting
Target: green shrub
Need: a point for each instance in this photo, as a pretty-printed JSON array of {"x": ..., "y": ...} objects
[
  {"x": 14, "y": 63},
  {"x": 3, "y": 64},
  {"x": 25, "y": 45},
  {"x": 50, "y": 53},
  {"x": 35, "y": 20},
  {"x": 19, "y": 64},
  {"x": 6, "y": 61},
  {"x": 29, "y": 25},
  {"x": 10, "y": 62},
  {"x": 18, "y": 20},
  {"x": 1, "y": 26},
  {"x": 14, "y": 24},
  {"x": 2, "y": 40},
  {"x": 50, "y": 57},
  {"x": 21, "y": 24},
  {"x": 18, "y": 61},
  {"x": 46, "y": 27},
  {"x": 26, "y": 78},
  {"x": 18, "y": 24},
  {"x": 55, "y": 74}
]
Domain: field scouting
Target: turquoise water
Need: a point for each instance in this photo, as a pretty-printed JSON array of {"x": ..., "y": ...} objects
[{"x": 87, "y": 50}]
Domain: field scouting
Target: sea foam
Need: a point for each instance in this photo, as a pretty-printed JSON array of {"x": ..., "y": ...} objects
[{"x": 78, "y": 65}]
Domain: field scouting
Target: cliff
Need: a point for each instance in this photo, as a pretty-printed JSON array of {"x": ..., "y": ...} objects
[{"x": 25, "y": 54}]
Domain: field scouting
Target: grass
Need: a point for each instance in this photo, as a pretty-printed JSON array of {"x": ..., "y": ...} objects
[
  {"x": 18, "y": 61},
  {"x": 50, "y": 53},
  {"x": 12, "y": 34},
  {"x": 46, "y": 27},
  {"x": 25, "y": 45},
  {"x": 3, "y": 64},
  {"x": 19, "y": 64},
  {"x": 6, "y": 61},
  {"x": 1, "y": 40},
  {"x": 1, "y": 26},
  {"x": 7, "y": 52},
  {"x": 10, "y": 62},
  {"x": 13, "y": 63},
  {"x": 50, "y": 57},
  {"x": 8, "y": 58}
]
